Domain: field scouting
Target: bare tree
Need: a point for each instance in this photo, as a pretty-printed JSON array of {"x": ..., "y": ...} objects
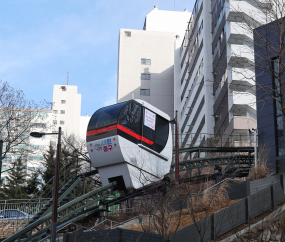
[
  {"x": 77, "y": 147},
  {"x": 18, "y": 117}
]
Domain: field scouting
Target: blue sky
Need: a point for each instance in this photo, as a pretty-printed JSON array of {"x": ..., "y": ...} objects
[{"x": 41, "y": 40}]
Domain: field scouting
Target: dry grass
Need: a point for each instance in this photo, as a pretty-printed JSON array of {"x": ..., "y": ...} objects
[
  {"x": 179, "y": 220},
  {"x": 208, "y": 199},
  {"x": 199, "y": 205},
  {"x": 261, "y": 169}
]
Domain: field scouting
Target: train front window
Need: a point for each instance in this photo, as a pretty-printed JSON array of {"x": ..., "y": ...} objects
[
  {"x": 130, "y": 117},
  {"x": 105, "y": 116}
]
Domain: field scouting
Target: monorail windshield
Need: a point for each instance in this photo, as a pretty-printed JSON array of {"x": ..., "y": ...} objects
[{"x": 105, "y": 116}]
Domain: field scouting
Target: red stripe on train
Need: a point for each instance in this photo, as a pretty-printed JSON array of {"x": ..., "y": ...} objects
[
  {"x": 102, "y": 130},
  {"x": 120, "y": 127}
]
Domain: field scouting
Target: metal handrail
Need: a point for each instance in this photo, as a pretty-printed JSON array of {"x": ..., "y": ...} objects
[
  {"x": 101, "y": 223},
  {"x": 39, "y": 194},
  {"x": 126, "y": 221}
]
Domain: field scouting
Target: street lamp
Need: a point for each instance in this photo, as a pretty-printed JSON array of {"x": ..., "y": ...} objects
[{"x": 56, "y": 180}]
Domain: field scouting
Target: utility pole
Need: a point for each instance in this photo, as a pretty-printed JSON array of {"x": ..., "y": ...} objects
[
  {"x": 176, "y": 151},
  {"x": 175, "y": 121},
  {"x": 1, "y": 148},
  {"x": 55, "y": 189}
]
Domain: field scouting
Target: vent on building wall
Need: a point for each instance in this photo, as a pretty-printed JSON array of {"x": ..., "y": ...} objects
[{"x": 128, "y": 34}]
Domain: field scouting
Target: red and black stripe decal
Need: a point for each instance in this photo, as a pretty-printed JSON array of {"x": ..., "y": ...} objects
[{"x": 120, "y": 127}]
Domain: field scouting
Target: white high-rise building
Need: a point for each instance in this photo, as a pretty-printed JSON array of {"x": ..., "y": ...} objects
[
  {"x": 146, "y": 59},
  {"x": 211, "y": 97},
  {"x": 66, "y": 111}
]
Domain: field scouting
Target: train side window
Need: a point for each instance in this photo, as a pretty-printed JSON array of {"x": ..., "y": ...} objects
[
  {"x": 149, "y": 124},
  {"x": 130, "y": 117},
  {"x": 148, "y": 133},
  {"x": 161, "y": 133}
]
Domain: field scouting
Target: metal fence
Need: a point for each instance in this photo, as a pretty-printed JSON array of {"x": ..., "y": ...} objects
[
  {"x": 212, "y": 140},
  {"x": 23, "y": 209}
]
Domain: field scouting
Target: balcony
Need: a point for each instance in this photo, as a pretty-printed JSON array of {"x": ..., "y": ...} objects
[
  {"x": 242, "y": 101},
  {"x": 240, "y": 123}
]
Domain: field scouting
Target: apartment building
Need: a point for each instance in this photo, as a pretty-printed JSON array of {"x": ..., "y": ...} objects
[
  {"x": 29, "y": 150},
  {"x": 66, "y": 109},
  {"x": 210, "y": 93},
  {"x": 65, "y": 113},
  {"x": 146, "y": 59}
]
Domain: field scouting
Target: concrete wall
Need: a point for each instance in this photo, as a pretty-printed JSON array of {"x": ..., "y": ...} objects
[
  {"x": 167, "y": 21},
  {"x": 114, "y": 235}
]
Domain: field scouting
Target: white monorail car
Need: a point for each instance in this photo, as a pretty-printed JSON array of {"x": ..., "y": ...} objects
[{"x": 130, "y": 142}]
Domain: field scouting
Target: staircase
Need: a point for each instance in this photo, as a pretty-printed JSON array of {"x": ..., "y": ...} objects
[
  {"x": 63, "y": 192},
  {"x": 235, "y": 168}
]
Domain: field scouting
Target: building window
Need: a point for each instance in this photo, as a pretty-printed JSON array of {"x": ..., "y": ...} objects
[
  {"x": 128, "y": 34},
  {"x": 54, "y": 122},
  {"x": 62, "y": 111},
  {"x": 61, "y": 122},
  {"x": 145, "y": 92},
  {"x": 279, "y": 123},
  {"x": 63, "y": 101},
  {"x": 38, "y": 158},
  {"x": 55, "y": 111},
  {"x": 63, "y": 88},
  {"x": 145, "y": 62},
  {"x": 145, "y": 76}
]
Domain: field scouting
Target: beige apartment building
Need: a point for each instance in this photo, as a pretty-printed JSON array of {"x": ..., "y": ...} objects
[{"x": 146, "y": 59}]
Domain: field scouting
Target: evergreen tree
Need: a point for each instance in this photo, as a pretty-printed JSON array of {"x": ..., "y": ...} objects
[
  {"x": 48, "y": 164},
  {"x": 16, "y": 183},
  {"x": 33, "y": 184}
]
